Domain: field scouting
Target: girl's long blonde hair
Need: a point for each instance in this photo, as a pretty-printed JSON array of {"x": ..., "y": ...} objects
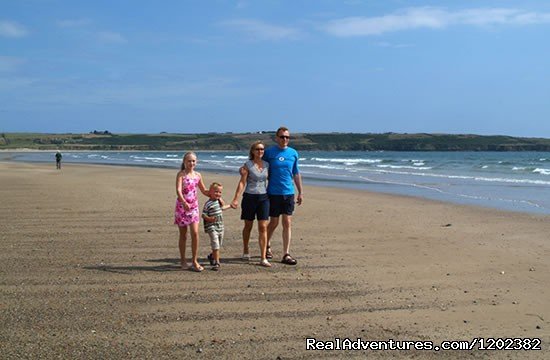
[{"x": 184, "y": 157}]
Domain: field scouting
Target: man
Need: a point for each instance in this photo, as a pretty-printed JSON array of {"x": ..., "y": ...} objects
[
  {"x": 58, "y": 157},
  {"x": 283, "y": 172}
]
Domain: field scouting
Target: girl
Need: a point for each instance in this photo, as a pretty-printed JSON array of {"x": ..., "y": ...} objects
[{"x": 187, "y": 208}]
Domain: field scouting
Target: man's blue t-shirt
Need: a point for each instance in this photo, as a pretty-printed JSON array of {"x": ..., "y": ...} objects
[{"x": 283, "y": 165}]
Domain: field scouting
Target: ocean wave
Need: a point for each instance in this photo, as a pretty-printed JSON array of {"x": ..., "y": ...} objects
[
  {"x": 213, "y": 161},
  {"x": 404, "y": 167},
  {"x": 465, "y": 177},
  {"x": 412, "y": 160},
  {"x": 347, "y": 161},
  {"x": 542, "y": 171},
  {"x": 236, "y": 157},
  {"x": 319, "y": 166},
  {"x": 461, "y": 195},
  {"x": 154, "y": 159}
]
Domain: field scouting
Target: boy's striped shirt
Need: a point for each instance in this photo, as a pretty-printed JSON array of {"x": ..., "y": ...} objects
[{"x": 213, "y": 208}]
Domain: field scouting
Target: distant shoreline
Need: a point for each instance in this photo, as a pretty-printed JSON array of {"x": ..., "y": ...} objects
[
  {"x": 515, "y": 178},
  {"x": 241, "y": 141}
]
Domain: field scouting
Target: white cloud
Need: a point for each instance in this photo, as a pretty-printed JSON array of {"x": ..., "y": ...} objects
[
  {"x": 110, "y": 37},
  {"x": 259, "y": 30},
  {"x": 12, "y": 29},
  {"x": 432, "y": 18},
  {"x": 69, "y": 23}
]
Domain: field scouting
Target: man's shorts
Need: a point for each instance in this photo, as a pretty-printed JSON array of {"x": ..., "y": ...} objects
[
  {"x": 255, "y": 206},
  {"x": 281, "y": 204}
]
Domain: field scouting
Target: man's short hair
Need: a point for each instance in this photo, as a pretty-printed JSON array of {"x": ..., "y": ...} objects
[{"x": 282, "y": 128}]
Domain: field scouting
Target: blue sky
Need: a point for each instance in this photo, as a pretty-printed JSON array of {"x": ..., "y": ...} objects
[{"x": 135, "y": 66}]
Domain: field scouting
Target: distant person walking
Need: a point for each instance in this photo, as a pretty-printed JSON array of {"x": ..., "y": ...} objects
[
  {"x": 283, "y": 172},
  {"x": 58, "y": 157},
  {"x": 255, "y": 201},
  {"x": 187, "y": 213}
]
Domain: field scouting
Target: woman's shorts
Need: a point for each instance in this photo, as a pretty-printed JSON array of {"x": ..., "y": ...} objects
[
  {"x": 255, "y": 206},
  {"x": 281, "y": 204}
]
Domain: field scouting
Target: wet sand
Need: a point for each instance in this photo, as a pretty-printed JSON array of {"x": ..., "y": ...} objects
[{"x": 89, "y": 268}]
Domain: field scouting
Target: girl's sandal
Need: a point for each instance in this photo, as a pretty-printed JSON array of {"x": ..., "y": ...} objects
[{"x": 268, "y": 253}]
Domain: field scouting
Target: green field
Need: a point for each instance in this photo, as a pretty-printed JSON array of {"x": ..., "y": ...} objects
[{"x": 302, "y": 141}]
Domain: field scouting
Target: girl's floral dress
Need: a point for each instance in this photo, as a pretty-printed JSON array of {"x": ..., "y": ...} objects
[{"x": 189, "y": 191}]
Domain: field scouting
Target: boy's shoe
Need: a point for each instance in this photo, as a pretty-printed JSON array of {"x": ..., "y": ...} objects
[
  {"x": 216, "y": 266},
  {"x": 211, "y": 259},
  {"x": 246, "y": 257}
]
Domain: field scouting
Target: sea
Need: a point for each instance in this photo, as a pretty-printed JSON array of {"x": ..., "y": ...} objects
[{"x": 512, "y": 181}]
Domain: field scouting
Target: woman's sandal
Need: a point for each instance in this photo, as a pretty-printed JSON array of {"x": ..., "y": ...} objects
[
  {"x": 268, "y": 253},
  {"x": 289, "y": 260},
  {"x": 265, "y": 263},
  {"x": 196, "y": 269}
]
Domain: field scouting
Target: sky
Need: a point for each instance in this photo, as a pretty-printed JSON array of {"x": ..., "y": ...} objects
[{"x": 196, "y": 66}]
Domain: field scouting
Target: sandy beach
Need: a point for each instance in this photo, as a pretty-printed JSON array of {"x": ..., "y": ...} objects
[{"x": 90, "y": 269}]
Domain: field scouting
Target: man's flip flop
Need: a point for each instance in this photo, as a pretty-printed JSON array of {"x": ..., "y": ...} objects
[{"x": 289, "y": 260}]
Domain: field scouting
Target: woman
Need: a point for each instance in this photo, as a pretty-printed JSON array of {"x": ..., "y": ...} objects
[{"x": 255, "y": 203}]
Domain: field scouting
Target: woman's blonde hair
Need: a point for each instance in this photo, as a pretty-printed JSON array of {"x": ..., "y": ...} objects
[
  {"x": 252, "y": 147},
  {"x": 190, "y": 153}
]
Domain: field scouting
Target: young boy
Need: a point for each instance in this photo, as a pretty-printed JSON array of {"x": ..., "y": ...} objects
[{"x": 213, "y": 222}]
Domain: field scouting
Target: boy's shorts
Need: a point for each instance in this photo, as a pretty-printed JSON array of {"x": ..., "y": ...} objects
[
  {"x": 216, "y": 239},
  {"x": 281, "y": 204},
  {"x": 255, "y": 206}
]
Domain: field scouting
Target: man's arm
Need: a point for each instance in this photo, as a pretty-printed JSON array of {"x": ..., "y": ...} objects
[{"x": 298, "y": 182}]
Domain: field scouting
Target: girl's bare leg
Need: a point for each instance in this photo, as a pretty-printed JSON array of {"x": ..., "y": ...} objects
[
  {"x": 182, "y": 243},
  {"x": 195, "y": 245}
]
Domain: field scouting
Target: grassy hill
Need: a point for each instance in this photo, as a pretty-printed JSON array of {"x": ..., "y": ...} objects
[{"x": 304, "y": 141}]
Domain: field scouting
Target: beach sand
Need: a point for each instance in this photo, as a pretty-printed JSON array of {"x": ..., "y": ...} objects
[{"x": 89, "y": 268}]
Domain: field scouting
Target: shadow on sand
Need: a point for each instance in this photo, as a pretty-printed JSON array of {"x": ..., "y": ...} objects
[{"x": 167, "y": 264}]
